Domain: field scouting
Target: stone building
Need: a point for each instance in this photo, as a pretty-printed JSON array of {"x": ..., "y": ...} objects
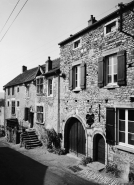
[
  {"x": 47, "y": 96},
  {"x": 32, "y": 98},
  {"x": 97, "y": 93},
  {"x": 20, "y": 98}
]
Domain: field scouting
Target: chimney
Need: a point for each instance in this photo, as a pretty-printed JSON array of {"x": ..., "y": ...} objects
[
  {"x": 92, "y": 20},
  {"x": 49, "y": 64},
  {"x": 24, "y": 68}
]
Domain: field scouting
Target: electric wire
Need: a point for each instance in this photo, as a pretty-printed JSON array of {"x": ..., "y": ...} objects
[
  {"x": 14, "y": 20},
  {"x": 9, "y": 16}
]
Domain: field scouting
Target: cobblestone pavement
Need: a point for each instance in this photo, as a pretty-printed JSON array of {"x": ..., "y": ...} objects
[
  {"x": 97, "y": 177},
  {"x": 42, "y": 155}
]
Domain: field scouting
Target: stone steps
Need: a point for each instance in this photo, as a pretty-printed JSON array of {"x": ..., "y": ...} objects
[{"x": 29, "y": 139}]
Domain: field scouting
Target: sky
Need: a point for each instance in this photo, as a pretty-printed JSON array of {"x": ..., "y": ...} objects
[{"x": 35, "y": 28}]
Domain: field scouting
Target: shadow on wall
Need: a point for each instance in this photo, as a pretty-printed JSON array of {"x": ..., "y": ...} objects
[{"x": 18, "y": 169}]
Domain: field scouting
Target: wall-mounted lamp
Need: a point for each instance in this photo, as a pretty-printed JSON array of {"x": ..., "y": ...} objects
[{"x": 63, "y": 75}]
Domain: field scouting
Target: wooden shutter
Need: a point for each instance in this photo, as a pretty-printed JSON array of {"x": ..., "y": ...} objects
[
  {"x": 70, "y": 79},
  {"x": 121, "y": 58},
  {"x": 83, "y": 76},
  {"x": 101, "y": 72},
  {"x": 110, "y": 126}
]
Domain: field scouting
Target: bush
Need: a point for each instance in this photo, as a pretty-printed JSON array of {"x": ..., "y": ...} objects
[
  {"x": 112, "y": 168},
  {"x": 131, "y": 176},
  {"x": 85, "y": 160}
]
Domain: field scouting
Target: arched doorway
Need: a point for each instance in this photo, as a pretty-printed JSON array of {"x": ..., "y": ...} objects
[
  {"x": 74, "y": 137},
  {"x": 99, "y": 148}
]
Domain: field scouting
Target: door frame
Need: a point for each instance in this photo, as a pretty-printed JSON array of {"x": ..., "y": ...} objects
[
  {"x": 95, "y": 147},
  {"x": 66, "y": 131}
]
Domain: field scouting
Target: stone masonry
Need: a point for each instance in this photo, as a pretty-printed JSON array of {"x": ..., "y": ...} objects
[{"x": 75, "y": 104}]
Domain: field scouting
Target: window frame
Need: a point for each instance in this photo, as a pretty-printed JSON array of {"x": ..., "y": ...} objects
[
  {"x": 77, "y": 79},
  {"x": 18, "y": 103},
  {"x": 12, "y": 90},
  {"x": 126, "y": 128},
  {"x": 40, "y": 84},
  {"x": 13, "y": 107},
  {"x": 8, "y": 91},
  {"x": 48, "y": 87},
  {"x": 39, "y": 112},
  {"x": 76, "y": 41},
  {"x": 113, "y": 83},
  {"x": 108, "y": 25}
]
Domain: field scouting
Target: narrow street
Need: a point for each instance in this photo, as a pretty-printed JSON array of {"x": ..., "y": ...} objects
[{"x": 19, "y": 169}]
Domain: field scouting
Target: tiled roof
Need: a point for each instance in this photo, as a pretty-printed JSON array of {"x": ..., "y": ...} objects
[
  {"x": 30, "y": 74},
  {"x": 27, "y": 76}
]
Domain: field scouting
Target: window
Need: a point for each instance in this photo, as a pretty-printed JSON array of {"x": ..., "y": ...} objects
[
  {"x": 27, "y": 91},
  {"x": 8, "y": 91},
  {"x": 77, "y": 77},
  {"x": 126, "y": 126},
  {"x": 39, "y": 84},
  {"x": 17, "y": 89},
  {"x": 13, "y": 108},
  {"x": 39, "y": 114},
  {"x": 111, "y": 26},
  {"x": 8, "y": 103},
  {"x": 120, "y": 130},
  {"x": 50, "y": 87},
  {"x": 18, "y": 103},
  {"x": 112, "y": 69},
  {"x": 12, "y": 90},
  {"x": 76, "y": 44}
]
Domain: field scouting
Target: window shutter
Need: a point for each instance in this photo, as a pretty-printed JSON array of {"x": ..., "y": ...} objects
[
  {"x": 70, "y": 79},
  {"x": 110, "y": 126},
  {"x": 83, "y": 76},
  {"x": 101, "y": 72},
  {"x": 121, "y": 58}
]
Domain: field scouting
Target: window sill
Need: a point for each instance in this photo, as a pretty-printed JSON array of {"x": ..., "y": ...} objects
[
  {"x": 39, "y": 123},
  {"x": 125, "y": 148},
  {"x": 50, "y": 96},
  {"x": 40, "y": 94},
  {"x": 111, "y": 86},
  {"x": 76, "y": 89}
]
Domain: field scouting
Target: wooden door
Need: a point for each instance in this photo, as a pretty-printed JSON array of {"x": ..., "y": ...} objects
[
  {"x": 100, "y": 149},
  {"x": 76, "y": 137}
]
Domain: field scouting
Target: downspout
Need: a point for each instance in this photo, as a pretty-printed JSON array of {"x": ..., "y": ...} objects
[
  {"x": 58, "y": 120},
  {"x": 4, "y": 110}
]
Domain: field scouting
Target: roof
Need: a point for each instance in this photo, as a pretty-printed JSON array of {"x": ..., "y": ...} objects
[
  {"x": 27, "y": 76},
  {"x": 31, "y": 74},
  {"x": 96, "y": 24}
]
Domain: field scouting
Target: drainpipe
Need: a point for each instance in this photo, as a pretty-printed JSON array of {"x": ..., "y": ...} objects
[{"x": 58, "y": 120}]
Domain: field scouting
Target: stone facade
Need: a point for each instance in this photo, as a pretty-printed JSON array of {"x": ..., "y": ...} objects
[{"x": 95, "y": 44}]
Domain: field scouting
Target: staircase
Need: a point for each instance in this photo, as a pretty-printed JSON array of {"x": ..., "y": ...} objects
[{"x": 29, "y": 139}]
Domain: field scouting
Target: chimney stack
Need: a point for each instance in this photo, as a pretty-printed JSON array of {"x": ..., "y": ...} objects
[
  {"x": 24, "y": 68},
  {"x": 92, "y": 20}
]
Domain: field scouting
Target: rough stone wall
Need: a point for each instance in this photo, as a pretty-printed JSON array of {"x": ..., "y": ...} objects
[
  {"x": 93, "y": 44},
  {"x": 50, "y": 105}
]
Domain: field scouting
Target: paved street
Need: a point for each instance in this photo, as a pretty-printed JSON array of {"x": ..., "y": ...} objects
[{"x": 19, "y": 168}]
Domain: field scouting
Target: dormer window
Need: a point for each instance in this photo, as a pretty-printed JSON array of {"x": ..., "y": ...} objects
[
  {"x": 111, "y": 26},
  {"x": 76, "y": 44},
  {"x": 39, "y": 84}
]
